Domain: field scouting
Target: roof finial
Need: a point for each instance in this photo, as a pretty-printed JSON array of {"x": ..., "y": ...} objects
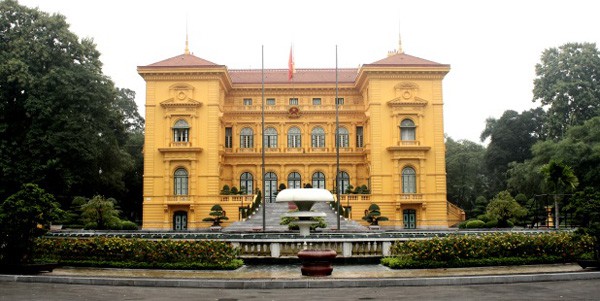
[
  {"x": 187, "y": 48},
  {"x": 400, "y": 49}
]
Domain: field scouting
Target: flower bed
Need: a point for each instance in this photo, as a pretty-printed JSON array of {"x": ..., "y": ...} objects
[
  {"x": 489, "y": 249},
  {"x": 138, "y": 253}
]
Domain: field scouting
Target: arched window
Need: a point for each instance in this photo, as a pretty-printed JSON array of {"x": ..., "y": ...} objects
[
  {"x": 407, "y": 130},
  {"x": 344, "y": 181},
  {"x": 294, "y": 180},
  {"x": 294, "y": 138},
  {"x": 181, "y": 131},
  {"x": 247, "y": 138},
  {"x": 318, "y": 137},
  {"x": 270, "y": 138},
  {"x": 318, "y": 180},
  {"x": 246, "y": 183},
  {"x": 181, "y": 182},
  {"x": 344, "y": 140},
  {"x": 409, "y": 180}
]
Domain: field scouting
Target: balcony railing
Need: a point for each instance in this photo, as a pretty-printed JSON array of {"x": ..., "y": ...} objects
[
  {"x": 245, "y": 199},
  {"x": 411, "y": 196},
  {"x": 180, "y": 198},
  {"x": 181, "y": 144},
  {"x": 408, "y": 143},
  {"x": 345, "y": 198}
]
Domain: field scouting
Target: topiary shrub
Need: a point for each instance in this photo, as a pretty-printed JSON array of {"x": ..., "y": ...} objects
[
  {"x": 475, "y": 224},
  {"x": 373, "y": 215},
  {"x": 217, "y": 215},
  {"x": 493, "y": 223},
  {"x": 225, "y": 190},
  {"x": 128, "y": 225}
]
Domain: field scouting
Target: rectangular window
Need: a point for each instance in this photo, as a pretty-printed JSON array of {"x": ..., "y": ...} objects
[
  {"x": 270, "y": 101},
  {"x": 316, "y": 101},
  {"x": 228, "y": 137},
  {"x": 181, "y": 135},
  {"x": 340, "y": 101},
  {"x": 247, "y": 101},
  {"x": 359, "y": 136},
  {"x": 293, "y": 101}
]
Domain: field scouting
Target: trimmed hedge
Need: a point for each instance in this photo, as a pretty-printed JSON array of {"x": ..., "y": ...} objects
[
  {"x": 401, "y": 263},
  {"x": 489, "y": 249},
  {"x": 138, "y": 253}
]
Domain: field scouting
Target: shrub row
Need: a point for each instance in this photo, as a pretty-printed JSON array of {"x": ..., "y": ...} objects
[
  {"x": 132, "y": 252},
  {"x": 458, "y": 248},
  {"x": 401, "y": 263}
]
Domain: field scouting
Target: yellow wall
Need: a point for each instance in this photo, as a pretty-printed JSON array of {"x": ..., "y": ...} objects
[{"x": 378, "y": 100}]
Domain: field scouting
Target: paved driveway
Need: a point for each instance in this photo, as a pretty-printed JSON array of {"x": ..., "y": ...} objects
[{"x": 554, "y": 290}]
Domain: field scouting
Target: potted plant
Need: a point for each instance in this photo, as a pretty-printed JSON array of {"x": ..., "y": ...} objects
[
  {"x": 217, "y": 215},
  {"x": 373, "y": 216}
]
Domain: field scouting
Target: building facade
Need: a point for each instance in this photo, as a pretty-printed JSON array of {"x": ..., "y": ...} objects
[{"x": 204, "y": 131}]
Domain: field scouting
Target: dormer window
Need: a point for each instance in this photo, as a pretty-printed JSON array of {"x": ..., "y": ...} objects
[{"x": 181, "y": 131}]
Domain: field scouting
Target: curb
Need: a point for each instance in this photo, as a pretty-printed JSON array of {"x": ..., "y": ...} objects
[{"x": 303, "y": 283}]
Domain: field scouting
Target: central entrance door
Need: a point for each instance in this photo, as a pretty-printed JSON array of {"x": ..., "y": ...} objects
[
  {"x": 270, "y": 187},
  {"x": 180, "y": 221},
  {"x": 410, "y": 219}
]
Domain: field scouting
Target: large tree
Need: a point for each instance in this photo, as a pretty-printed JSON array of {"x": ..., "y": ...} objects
[
  {"x": 465, "y": 176},
  {"x": 568, "y": 85},
  {"x": 511, "y": 137},
  {"x": 63, "y": 124}
]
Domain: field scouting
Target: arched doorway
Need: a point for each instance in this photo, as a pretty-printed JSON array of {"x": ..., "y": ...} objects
[
  {"x": 270, "y": 187},
  {"x": 180, "y": 220}
]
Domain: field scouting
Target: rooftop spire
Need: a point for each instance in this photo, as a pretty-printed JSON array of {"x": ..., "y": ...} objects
[
  {"x": 400, "y": 49},
  {"x": 187, "y": 48}
]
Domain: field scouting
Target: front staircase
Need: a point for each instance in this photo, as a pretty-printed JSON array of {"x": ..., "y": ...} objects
[{"x": 274, "y": 211}]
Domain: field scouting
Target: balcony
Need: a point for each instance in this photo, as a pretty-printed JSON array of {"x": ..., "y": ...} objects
[
  {"x": 345, "y": 198},
  {"x": 238, "y": 199},
  {"x": 179, "y": 199},
  {"x": 180, "y": 144},
  {"x": 411, "y": 196},
  {"x": 408, "y": 143}
]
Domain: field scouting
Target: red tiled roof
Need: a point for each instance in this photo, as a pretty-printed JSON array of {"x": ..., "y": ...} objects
[
  {"x": 402, "y": 59},
  {"x": 184, "y": 60},
  {"x": 302, "y": 76}
]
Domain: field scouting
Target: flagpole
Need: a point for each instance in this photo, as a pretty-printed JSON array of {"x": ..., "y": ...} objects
[
  {"x": 264, "y": 196},
  {"x": 337, "y": 141}
]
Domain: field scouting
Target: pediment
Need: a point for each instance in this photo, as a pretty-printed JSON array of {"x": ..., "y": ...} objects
[
  {"x": 175, "y": 102},
  {"x": 407, "y": 102}
]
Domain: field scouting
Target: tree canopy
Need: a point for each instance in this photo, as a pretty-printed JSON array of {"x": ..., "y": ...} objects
[
  {"x": 511, "y": 137},
  {"x": 465, "y": 175},
  {"x": 568, "y": 85},
  {"x": 63, "y": 124}
]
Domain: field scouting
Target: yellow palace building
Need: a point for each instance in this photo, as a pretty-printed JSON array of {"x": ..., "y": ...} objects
[{"x": 204, "y": 131}]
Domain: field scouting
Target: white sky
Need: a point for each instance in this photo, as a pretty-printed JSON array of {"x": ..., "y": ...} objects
[{"x": 492, "y": 46}]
